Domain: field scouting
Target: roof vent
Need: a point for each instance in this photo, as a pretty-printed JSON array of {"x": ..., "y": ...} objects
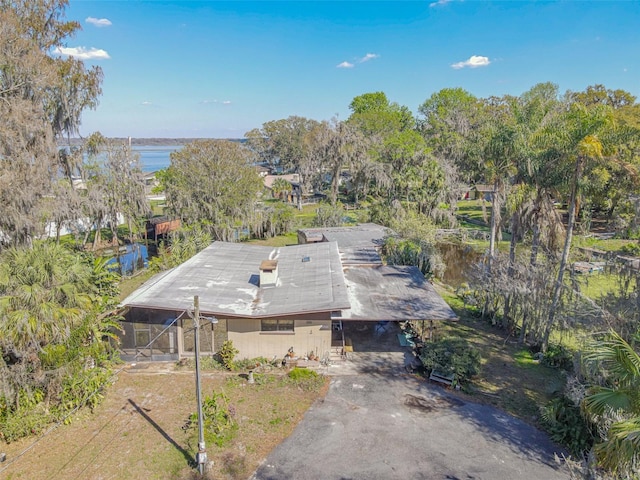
[
  {"x": 306, "y": 259},
  {"x": 268, "y": 273}
]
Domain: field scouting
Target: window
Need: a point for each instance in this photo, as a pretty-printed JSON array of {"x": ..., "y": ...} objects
[{"x": 276, "y": 325}]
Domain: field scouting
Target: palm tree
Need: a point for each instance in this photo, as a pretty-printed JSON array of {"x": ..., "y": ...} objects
[
  {"x": 618, "y": 398},
  {"x": 44, "y": 292},
  {"x": 580, "y": 139},
  {"x": 501, "y": 153},
  {"x": 281, "y": 186}
]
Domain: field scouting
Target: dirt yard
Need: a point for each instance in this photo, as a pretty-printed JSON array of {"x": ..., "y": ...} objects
[{"x": 137, "y": 431}]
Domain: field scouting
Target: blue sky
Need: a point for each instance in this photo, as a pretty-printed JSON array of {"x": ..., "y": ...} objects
[{"x": 219, "y": 69}]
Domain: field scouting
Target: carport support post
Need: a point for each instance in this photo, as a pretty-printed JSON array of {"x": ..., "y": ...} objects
[{"x": 201, "y": 457}]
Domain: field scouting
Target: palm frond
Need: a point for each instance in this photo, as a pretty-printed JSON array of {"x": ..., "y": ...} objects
[
  {"x": 621, "y": 450},
  {"x": 605, "y": 399},
  {"x": 618, "y": 358}
]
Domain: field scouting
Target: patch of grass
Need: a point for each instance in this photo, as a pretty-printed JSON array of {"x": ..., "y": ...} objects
[
  {"x": 524, "y": 358},
  {"x": 597, "y": 285},
  {"x": 609, "y": 245},
  {"x": 157, "y": 207},
  {"x": 130, "y": 284},
  {"x": 508, "y": 379},
  {"x": 473, "y": 209},
  {"x": 279, "y": 241},
  {"x": 305, "y": 216},
  {"x": 137, "y": 431}
]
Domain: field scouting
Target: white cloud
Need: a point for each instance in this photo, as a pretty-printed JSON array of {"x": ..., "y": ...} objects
[
  {"x": 369, "y": 56},
  {"x": 82, "y": 53},
  {"x": 344, "y": 65},
  {"x": 98, "y": 22},
  {"x": 439, "y": 3},
  {"x": 145, "y": 103},
  {"x": 211, "y": 102},
  {"x": 474, "y": 61}
]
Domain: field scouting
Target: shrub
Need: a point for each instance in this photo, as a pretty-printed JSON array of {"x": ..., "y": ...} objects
[
  {"x": 206, "y": 363},
  {"x": 249, "y": 363},
  {"x": 632, "y": 249},
  {"x": 227, "y": 353},
  {"x": 220, "y": 425},
  {"x": 558, "y": 356},
  {"x": 452, "y": 356},
  {"x": 565, "y": 424},
  {"x": 329, "y": 216}
]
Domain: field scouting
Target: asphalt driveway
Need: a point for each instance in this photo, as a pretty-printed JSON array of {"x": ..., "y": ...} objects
[{"x": 378, "y": 422}]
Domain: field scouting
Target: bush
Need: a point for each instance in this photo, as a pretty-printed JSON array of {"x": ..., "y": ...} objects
[
  {"x": 30, "y": 419},
  {"x": 452, "y": 356},
  {"x": 632, "y": 249},
  {"x": 558, "y": 356},
  {"x": 220, "y": 425},
  {"x": 329, "y": 216},
  {"x": 249, "y": 363},
  {"x": 206, "y": 363},
  {"x": 566, "y": 425},
  {"x": 227, "y": 353}
]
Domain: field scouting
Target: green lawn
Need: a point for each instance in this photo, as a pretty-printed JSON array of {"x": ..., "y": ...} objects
[
  {"x": 473, "y": 209},
  {"x": 510, "y": 378},
  {"x": 609, "y": 245},
  {"x": 597, "y": 285}
]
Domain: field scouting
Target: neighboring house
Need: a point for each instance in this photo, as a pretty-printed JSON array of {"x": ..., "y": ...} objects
[
  {"x": 263, "y": 170},
  {"x": 267, "y": 300},
  {"x": 477, "y": 192},
  {"x": 150, "y": 182},
  {"x": 159, "y": 227},
  {"x": 269, "y": 180},
  {"x": 294, "y": 194}
]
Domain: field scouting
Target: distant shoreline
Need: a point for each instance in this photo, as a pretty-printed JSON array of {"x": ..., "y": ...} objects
[{"x": 162, "y": 142}]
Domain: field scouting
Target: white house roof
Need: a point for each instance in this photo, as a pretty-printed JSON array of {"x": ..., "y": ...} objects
[
  {"x": 311, "y": 277},
  {"x": 226, "y": 276},
  {"x": 393, "y": 292},
  {"x": 358, "y": 245}
]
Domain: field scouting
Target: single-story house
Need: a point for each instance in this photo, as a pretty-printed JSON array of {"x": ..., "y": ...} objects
[
  {"x": 268, "y": 300},
  {"x": 295, "y": 194},
  {"x": 479, "y": 191},
  {"x": 150, "y": 182},
  {"x": 263, "y": 170}
]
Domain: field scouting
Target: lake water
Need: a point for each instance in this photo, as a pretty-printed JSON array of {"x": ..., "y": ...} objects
[
  {"x": 155, "y": 157},
  {"x": 131, "y": 257},
  {"x": 459, "y": 259}
]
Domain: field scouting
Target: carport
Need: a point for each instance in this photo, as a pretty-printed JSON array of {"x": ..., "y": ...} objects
[{"x": 381, "y": 296}]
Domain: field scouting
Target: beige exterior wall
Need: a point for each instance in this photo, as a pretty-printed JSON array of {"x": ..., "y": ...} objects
[{"x": 312, "y": 333}]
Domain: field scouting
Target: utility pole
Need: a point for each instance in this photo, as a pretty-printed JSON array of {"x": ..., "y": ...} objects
[{"x": 201, "y": 457}]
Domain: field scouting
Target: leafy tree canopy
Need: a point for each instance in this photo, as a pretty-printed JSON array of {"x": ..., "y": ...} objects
[
  {"x": 213, "y": 181},
  {"x": 41, "y": 98}
]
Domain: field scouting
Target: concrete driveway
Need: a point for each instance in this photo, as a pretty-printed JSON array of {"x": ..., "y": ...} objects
[{"x": 378, "y": 422}]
